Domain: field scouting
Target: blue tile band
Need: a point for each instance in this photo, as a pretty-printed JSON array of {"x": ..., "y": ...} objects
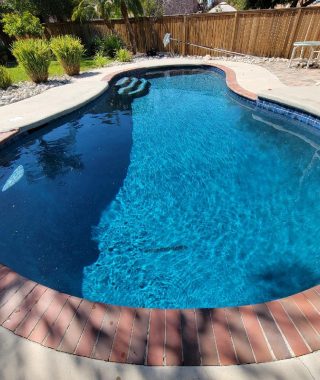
[{"x": 290, "y": 112}]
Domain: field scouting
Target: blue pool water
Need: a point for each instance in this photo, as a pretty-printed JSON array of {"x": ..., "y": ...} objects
[{"x": 180, "y": 198}]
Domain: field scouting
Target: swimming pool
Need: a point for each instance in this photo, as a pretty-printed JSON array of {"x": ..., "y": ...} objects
[{"x": 180, "y": 198}]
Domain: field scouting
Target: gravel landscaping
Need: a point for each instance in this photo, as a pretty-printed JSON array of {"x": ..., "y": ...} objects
[
  {"x": 23, "y": 90},
  {"x": 295, "y": 76}
]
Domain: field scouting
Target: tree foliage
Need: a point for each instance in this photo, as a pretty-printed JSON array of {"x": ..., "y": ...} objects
[
  {"x": 267, "y": 4},
  {"x": 22, "y": 25},
  {"x": 257, "y": 4},
  {"x": 153, "y": 8},
  {"x": 87, "y": 10},
  {"x": 59, "y": 9}
]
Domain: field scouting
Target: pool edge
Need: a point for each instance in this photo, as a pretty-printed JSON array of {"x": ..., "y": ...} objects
[{"x": 260, "y": 333}]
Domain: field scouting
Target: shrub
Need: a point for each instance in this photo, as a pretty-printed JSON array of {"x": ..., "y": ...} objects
[
  {"x": 68, "y": 51},
  {"x": 94, "y": 46},
  {"x": 111, "y": 44},
  {"x": 34, "y": 56},
  {"x": 108, "y": 45},
  {"x": 124, "y": 55},
  {"x": 100, "y": 60},
  {"x": 5, "y": 78},
  {"x": 4, "y": 54},
  {"x": 22, "y": 26}
]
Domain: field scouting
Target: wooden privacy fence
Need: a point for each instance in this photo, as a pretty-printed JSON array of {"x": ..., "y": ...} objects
[{"x": 268, "y": 33}]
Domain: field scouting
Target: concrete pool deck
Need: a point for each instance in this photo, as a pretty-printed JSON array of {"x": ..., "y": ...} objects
[
  {"x": 21, "y": 359},
  {"x": 51, "y": 104},
  {"x": 278, "y": 332}
]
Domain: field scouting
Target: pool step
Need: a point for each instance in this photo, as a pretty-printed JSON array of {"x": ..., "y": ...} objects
[
  {"x": 133, "y": 86},
  {"x": 122, "y": 81},
  {"x": 140, "y": 89},
  {"x": 129, "y": 87}
]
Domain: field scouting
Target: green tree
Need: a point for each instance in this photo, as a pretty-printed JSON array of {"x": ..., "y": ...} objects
[
  {"x": 44, "y": 9},
  {"x": 239, "y": 4},
  {"x": 266, "y": 4},
  {"x": 87, "y": 10},
  {"x": 133, "y": 7},
  {"x": 153, "y": 10},
  {"x": 22, "y": 25},
  {"x": 18, "y": 6}
]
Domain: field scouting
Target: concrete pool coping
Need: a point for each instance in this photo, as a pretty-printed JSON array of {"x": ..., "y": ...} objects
[
  {"x": 249, "y": 79},
  {"x": 267, "y": 332}
]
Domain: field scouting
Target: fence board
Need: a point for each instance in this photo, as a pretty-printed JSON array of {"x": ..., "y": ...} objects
[{"x": 268, "y": 33}]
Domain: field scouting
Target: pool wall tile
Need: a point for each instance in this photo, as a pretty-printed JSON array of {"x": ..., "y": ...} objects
[{"x": 289, "y": 112}]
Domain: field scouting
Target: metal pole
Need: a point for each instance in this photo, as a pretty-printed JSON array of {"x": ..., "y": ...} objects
[{"x": 208, "y": 48}]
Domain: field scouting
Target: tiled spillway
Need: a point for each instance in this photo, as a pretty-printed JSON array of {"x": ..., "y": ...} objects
[{"x": 248, "y": 334}]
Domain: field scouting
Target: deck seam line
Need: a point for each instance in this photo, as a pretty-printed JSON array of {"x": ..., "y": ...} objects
[
  {"x": 148, "y": 339},
  {"x": 198, "y": 338},
  {"x": 93, "y": 351},
  {"x": 245, "y": 329},
  {"x": 311, "y": 303},
  {"x": 84, "y": 326},
  {"x": 306, "y": 367},
  {"x": 295, "y": 326},
  {"x": 54, "y": 322},
  {"x": 4, "y": 275},
  {"x": 67, "y": 329},
  {"x": 214, "y": 337},
  {"x": 291, "y": 352},
  {"x": 316, "y": 294},
  {"x": 307, "y": 320},
  {"x": 114, "y": 336},
  {"x": 5, "y": 289},
  {"x": 164, "y": 357},
  {"x": 29, "y": 311},
  {"x": 265, "y": 336},
  {"x": 18, "y": 305},
  {"x": 53, "y": 297},
  {"x": 315, "y": 289},
  {"x": 230, "y": 334},
  {"x": 131, "y": 335}
]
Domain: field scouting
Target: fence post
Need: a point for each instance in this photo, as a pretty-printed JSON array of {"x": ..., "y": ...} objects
[
  {"x": 294, "y": 31},
  {"x": 234, "y": 30},
  {"x": 184, "y": 47}
]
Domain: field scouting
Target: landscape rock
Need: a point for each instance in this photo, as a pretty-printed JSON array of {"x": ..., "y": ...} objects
[{"x": 23, "y": 90}]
